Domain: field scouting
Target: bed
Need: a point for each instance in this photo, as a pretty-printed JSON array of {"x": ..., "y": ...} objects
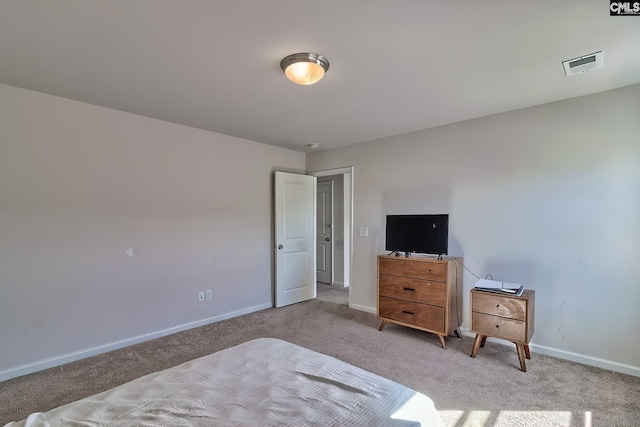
[{"x": 264, "y": 382}]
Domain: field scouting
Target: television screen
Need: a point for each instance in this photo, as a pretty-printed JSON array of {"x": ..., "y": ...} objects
[{"x": 427, "y": 234}]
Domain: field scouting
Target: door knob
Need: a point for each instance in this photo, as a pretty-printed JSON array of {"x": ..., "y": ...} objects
[
  {"x": 280, "y": 246},
  {"x": 327, "y": 239}
]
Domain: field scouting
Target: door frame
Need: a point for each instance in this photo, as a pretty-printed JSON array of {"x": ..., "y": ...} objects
[{"x": 347, "y": 173}]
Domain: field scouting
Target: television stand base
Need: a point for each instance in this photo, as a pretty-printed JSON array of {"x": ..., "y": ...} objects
[
  {"x": 442, "y": 337},
  {"x": 420, "y": 293}
]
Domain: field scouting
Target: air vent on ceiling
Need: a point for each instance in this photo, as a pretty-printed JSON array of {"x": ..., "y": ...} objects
[{"x": 583, "y": 63}]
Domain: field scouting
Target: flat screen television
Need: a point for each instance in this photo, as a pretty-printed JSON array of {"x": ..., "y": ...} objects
[{"x": 428, "y": 233}]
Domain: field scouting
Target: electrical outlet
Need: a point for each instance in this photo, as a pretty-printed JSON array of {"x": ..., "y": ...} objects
[
  {"x": 207, "y": 295},
  {"x": 200, "y": 296}
]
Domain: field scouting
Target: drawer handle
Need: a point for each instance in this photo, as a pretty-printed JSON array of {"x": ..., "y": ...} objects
[
  {"x": 497, "y": 305},
  {"x": 497, "y": 326},
  {"x": 430, "y": 271},
  {"x": 408, "y": 312},
  {"x": 409, "y": 289}
]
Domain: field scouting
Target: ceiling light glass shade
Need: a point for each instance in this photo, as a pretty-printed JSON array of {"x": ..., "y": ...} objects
[{"x": 304, "y": 68}]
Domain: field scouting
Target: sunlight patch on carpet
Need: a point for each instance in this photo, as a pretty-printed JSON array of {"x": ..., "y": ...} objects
[{"x": 482, "y": 418}]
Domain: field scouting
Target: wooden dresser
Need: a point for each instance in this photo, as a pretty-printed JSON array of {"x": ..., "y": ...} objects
[
  {"x": 421, "y": 293},
  {"x": 503, "y": 316}
]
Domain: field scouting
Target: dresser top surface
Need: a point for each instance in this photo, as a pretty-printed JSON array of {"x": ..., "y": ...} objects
[
  {"x": 527, "y": 293},
  {"x": 419, "y": 258}
]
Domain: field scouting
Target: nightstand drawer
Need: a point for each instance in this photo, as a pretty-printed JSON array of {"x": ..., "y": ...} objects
[
  {"x": 421, "y": 315},
  {"x": 499, "y": 327},
  {"x": 417, "y": 269},
  {"x": 406, "y": 288},
  {"x": 494, "y": 304}
]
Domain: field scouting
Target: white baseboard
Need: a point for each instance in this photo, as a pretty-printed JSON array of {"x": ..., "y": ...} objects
[
  {"x": 549, "y": 351},
  {"x": 339, "y": 284},
  {"x": 570, "y": 356},
  {"x": 364, "y": 308},
  {"x": 71, "y": 357},
  {"x": 586, "y": 360}
]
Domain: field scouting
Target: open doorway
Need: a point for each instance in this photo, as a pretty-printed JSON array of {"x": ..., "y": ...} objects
[{"x": 337, "y": 257}]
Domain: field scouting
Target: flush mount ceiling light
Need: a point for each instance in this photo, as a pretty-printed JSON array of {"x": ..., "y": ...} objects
[{"x": 304, "y": 68}]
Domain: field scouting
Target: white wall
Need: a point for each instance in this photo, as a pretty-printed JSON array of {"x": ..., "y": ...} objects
[
  {"x": 80, "y": 184},
  {"x": 547, "y": 196}
]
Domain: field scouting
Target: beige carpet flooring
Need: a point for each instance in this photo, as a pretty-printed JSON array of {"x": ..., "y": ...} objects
[{"x": 489, "y": 390}]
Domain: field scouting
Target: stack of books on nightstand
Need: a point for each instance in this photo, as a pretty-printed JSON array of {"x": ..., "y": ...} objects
[{"x": 496, "y": 287}]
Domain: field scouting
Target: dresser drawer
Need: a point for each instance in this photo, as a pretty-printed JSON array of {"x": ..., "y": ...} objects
[
  {"x": 494, "y": 304},
  {"x": 406, "y": 288},
  {"x": 499, "y": 327},
  {"x": 421, "y": 315},
  {"x": 418, "y": 269}
]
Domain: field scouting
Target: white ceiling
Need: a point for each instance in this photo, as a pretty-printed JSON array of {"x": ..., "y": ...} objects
[{"x": 397, "y": 66}]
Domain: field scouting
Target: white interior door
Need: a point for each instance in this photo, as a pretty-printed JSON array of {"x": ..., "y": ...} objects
[
  {"x": 324, "y": 238},
  {"x": 295, "y": 227}
]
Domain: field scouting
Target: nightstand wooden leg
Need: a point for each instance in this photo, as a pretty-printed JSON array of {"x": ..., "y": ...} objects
[
  {"x": 484, "y": 340},
  {"x": 476, "y": 345},
  {"x": 527, "y": 353},
  {"x": 442, "y": 343},
  {"x": 521, "y": 357},
  {"x": 384, "y": 322}
]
